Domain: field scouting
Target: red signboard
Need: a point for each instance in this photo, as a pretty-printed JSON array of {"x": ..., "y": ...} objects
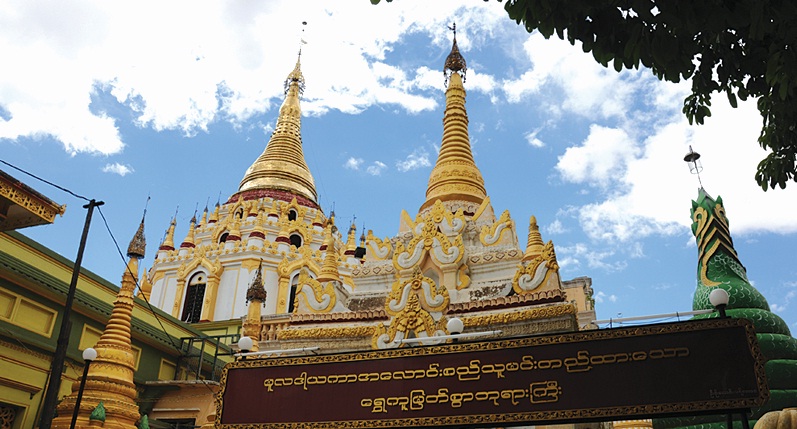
[{"x": 653, "y": 370}]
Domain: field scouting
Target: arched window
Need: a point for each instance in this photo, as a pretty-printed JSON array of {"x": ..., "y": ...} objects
[
  {"x": 292, "y": 294},
  {"x": 296, "y": 240},
  {"x": 194, "y": 296},
  {"x": 223, "y": 237},
  {"x": 239, "y": 214},
  {"x": 292, "y": 214}
]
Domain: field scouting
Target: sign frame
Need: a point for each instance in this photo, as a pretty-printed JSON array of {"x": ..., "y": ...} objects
[{"x": 753, "y": 391}]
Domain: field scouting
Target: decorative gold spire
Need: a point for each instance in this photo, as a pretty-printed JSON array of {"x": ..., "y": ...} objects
[
  {"x": 214, "y": 217},
  {"x": 455, "y": 175},
  {"x": 282, "y": 167},
  {"x": 256, "y": 293},
  {"x": 455, "y": 62},
  {"x": 534, "y": 245},
  {"x": 110, "y": 376},
  {"x": 204, "y": 220},
  {"x": 189, "y": 237},
  {"x": 329, "y": 271},
  {"x": 138, "y": 244},
  {"x": 351, "y": 240}
]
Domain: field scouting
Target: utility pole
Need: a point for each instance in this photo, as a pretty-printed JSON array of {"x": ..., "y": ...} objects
[{"x": 57, "y": 367}]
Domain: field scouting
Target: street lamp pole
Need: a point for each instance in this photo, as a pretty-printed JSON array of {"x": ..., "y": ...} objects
[
  {"x": 719, "y": 298},
  {"x": 88, "y": 356}
]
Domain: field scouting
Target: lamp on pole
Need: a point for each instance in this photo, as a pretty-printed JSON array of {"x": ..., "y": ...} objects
[
  {"x": 244, "y": 345},
  {"x": 88, "y": 356},
  {"x": 455, "y": 326},
  {"x": 719, "y": 299}
]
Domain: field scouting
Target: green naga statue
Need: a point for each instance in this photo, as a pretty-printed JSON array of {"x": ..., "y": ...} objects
[{"x": 718, "y": 266}]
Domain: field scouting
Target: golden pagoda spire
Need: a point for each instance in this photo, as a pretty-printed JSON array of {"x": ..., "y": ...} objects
[
  {"x": 110, "y": 375},
  {"x": 534, "y": 245},
  {"x": 168, "y": 240},
  {"x": 189, "y": 237},
  {"x": 351, "y": 240},
  {"x": 282, "y": 167},
  {"x": 329, "y": 270},
  {"x": 214, "y": 216},
  {"x": 455, "y": 176}
]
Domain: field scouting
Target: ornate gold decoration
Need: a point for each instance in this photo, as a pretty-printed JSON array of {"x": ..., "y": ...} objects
[
  {"x": 378, "y": 250},
  {"x": 521, "y": 316},
  {"x": 326, "y": 333},
  {"x": 411, "y": 303},
  {"x": 324, "y": 297},
  {"x": 33, "y": 202},
  {"x": 282, "y": 165},
  {"x": 463, "y": 278},
  {"x": 491, "y": 235},
  {"x": 455, "y": 175},
  {"x": 429, "y": 239},
  {"x": 537, "y": 271}
]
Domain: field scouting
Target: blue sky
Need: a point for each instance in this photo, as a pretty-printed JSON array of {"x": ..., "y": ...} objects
[{"x": 120, "y": 101}]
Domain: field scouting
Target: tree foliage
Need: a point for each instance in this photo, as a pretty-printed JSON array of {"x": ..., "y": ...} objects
[{"x": 742, "y": 48}]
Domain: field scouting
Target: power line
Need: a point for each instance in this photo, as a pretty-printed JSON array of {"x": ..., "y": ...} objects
[
  {"x": 45, "y": 181},
  {"x": 135, "y": 278}
]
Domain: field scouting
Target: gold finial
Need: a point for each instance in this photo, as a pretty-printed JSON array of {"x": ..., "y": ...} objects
[
  {"x": 329, "y": 271},
  {"x": 455, "y": 62},
  {"x": 138, "y": 244},
  {"x": 534, "y": 244},
  {"x": 256, "y": 291},
  {"x": 296, "y": 75},
  {"x": 282, "y": 167},
  {"x": 189, "y": 237}
]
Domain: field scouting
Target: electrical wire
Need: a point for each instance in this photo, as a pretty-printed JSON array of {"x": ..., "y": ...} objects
[
  {"x": 118, "y": 249},
  {"x": 45, "y": 181},
  {"x": 135, "y": 278}
]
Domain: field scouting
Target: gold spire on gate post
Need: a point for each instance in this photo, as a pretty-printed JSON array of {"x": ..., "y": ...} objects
[
  {"x": 455, "y": 175},
  {"x": 256, "y": 295},
  {"x": 282, "y": 167},
  {"x": 534, "y": 244},
  {"x": 110, "y": 375},
  {"x": 329, "y": 269}
]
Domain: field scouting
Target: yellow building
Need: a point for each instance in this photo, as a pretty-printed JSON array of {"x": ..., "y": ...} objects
[{"x": 33, "y": 285}]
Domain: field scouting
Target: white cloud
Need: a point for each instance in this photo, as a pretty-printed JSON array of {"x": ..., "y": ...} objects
[
  {"x": 417, "y": 159},
  {"x": 376, "y": 168},
  {"x": 533, "y": 140},
  {"x": 601, "y": 158},
  {"x": 202, "y": 62},
  {"x": 117, "y": 168},
  {"x": 596, "y": 259},
  {"x": 601, "y": 297},
  {"x": 556, "y": 227},
  {"x": 353, "y": 163},
  {"x": 590, "y": 90}
]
